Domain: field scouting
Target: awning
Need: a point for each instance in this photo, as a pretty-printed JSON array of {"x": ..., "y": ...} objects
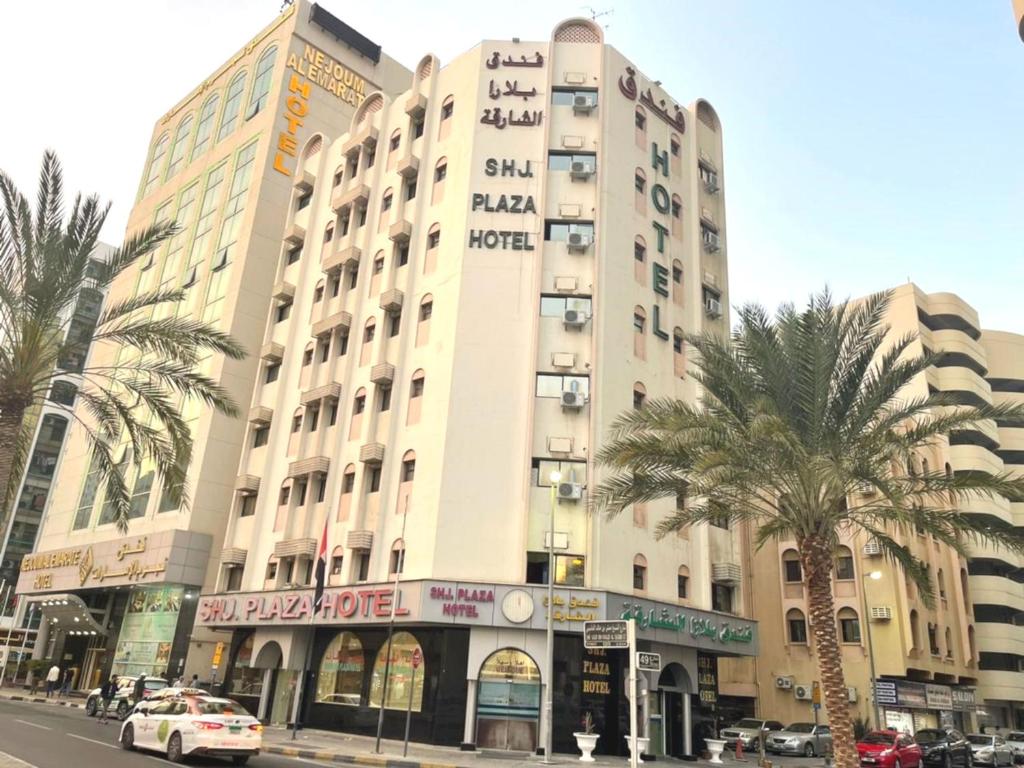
[{"x": 70, "y": 614}]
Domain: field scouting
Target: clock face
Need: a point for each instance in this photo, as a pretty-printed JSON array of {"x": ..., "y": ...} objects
[{"x": 517, "y": 606}]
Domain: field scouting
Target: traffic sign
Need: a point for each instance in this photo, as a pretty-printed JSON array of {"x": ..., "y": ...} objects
[
  {"x": 648, "y": 661},
  {"x": 816, "y": 694},
  {"x": 417, "y": 658},
  {"x": 218, "y": 652},
  {"x": 605, "y": 634}
]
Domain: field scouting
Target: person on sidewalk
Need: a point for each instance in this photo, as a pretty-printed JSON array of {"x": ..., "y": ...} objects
[
  {"x": 107, "y": 692},
  {"x": 51, "y": 679},
  {"x": 139, "y": 691},
  {"x": 194, "y": 683},
  {"x": 65, "y": 687}
]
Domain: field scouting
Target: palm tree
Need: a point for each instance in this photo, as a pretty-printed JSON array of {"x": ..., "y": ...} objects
[
  {"x": 797, "y": 413},
  {"x": 46, "y": 259}
]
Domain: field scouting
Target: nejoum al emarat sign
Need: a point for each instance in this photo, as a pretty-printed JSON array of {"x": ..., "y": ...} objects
[
  {"x": 329, "y": 74},
  {"x": 504, "y": 239}
]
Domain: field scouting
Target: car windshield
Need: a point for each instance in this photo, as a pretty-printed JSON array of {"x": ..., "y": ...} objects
[
  {"x": 980, "y": 739},
  {"x": 800, "y": 727},
  {"x": 1015, "y": 736},
  {"x": 221, "y": 707},
  {"x": 154, "y": 685},
  {"x": 747, "y": 723},
  {"x": 877, "y": 737},
  {"x": 929, "y": 736}
]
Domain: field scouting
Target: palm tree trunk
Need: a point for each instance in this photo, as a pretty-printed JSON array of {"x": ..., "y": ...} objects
[
  {"x": 12, "y": 413},
  {"x": 816, "y": 556}
]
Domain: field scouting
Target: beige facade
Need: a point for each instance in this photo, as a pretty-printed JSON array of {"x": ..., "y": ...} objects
[
  {"x": 1018, "y": 14},
  {"x": 970, "y": 642}
]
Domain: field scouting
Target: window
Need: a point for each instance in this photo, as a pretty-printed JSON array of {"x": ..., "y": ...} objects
[
  {"x": 261, "y": 83},
  {"x": 359, "y": 404},
  {"x": 232, "y": 103},
  {"x": 677, "y": 341},
  {"x": 639, "y": 181},
  {"x": 181, "y": 138},
  {"x": 300, "y": 492},
  {"x": 674, "y": 147},
  {"x": 156, "y": 164},
  {"x": 378, "y": 264},
  {"x": 849, "y": 626},
  {"x": 570, "y": 471},
  {"x": 639, "y": 320},
  {"x": 271, "y": 570},
  {"x": 640, "y": 119},
  {"x": 335, "y": 285},
  {"x": 362, "y": 216},
  {"x": 205, "y": 127},
  {"x": 640, "y": 573},
  {"x": 385, "y": 203},
  {"x": 296, "y": 422},
  {"x": 408, "y": 469},
  {"x": 342, "y": 343},
  {"x": 318, "y": 292},
  {"x": 371, "y": 156},
  {"x": 285, "y": 496},
  {"x": 426, "y": 310},
  {"x": 796, "y": 626},
  {"x": 396, "y": 141},
  {"x": 792, "y": 572},
  {"x": 400, "y": 696},
  {"x": 683, "y": 583},
  {"x": 721, "y": 597},
  {"x": 555, "y": 306},
  {"x": 314, "y": 419},
  {"x": 447, "y": 108},
  {"x": 338, "y": 176},
  {"x": 394, "y": 324},
  {"x": 441, "y": 170},
  {"x": 563, "y": 161},
  {"x": 307, "y": 356},
  {"x": 933, "y": 639},
  {"x": 260, "y": 436},
  {"x": 677, "y": 207},
  {"x": 283, "y": 312},
  {"x": 640, "y": 250},
  {"x": 402, "y": 251},
  {"x": 373, "y": 486},
  {"x": 337, "y": 563},
  {"x": 332, "y": 413},
  {"x": 417, "y": 128},
  {"x": 234, "y": 580},
  {"x": 248, "y": 508},
  {"x": 844, "y": 565},
  {"x": 433, "y": 238},
  {"x": 369, "y": 331},
  {"x": 321, "y": 490},
  {"x": 294, "y": 254},
  {"x": 397, "y": 560},
  {"x": 140, "y": 494},
  {"x": 362, "y": 566},
  {"x": 384, "y": 399},
  {"x": 273, "y": 371},
  {"x": 556, "y": 231},
  {"x": 639, "y": 395},
  {"x": 569, "y": 569},
  {"x": 416, "y": 387},
  {"x": 304, "y": 200},
  {"x": 340, "y": 678},
  {"x": 554, "y": 384},
  {"x": 410, "y": 189},
  {"x": 562, "y": 97},
  {"x": 329, "y": 232},
  {"x": 348, "y": 480}
]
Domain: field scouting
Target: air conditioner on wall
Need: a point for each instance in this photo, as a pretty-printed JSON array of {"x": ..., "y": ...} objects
[
  {"x": 570, "y": 491},
  {"x": 581, "y": 169},
  {"x": 881, "y": 612},
  {"x": 574, "y": 318},
  {"x": 573, "y": 400},
  {"x": 578, "y": 241},
  {"x": 851, "y": 694},
  {"x": 802, "y": 692},
  {"x": 784, "y": 683},
  {"x": 872, "y": 548},
  {"x": 584, "y": 103},
  {"x": 712, "y": 243},
  {"x": 713, "y": 307},
  {"x": 711, "y": 182}
]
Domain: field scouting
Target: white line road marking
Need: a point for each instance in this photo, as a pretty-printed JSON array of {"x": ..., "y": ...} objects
[
  {"x": 12, "y": 761},
  {"x": 92, "y": 741},
  {"x": 34, "y": 725}
]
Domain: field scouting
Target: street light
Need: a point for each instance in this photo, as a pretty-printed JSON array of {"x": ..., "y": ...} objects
[
  {"x": 874, "y": 576},
  {"x": 555, "y": 477}
]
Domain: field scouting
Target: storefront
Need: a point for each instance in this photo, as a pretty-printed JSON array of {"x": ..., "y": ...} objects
[
  {"x": 124, "y": 606},
  {"x": 480, "y": 678},
  {"x": 908, "y": 706}
]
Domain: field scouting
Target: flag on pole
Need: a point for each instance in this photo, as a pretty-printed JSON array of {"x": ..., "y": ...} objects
[{"x": 320, "y": 574}]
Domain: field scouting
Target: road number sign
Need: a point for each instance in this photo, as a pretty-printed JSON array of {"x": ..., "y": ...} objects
[
  {"x": 605, "y": 634},
  {"x": 648, "y": 661}
]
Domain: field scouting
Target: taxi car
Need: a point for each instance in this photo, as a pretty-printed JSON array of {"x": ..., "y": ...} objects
[{"x": 193, "y": 724}]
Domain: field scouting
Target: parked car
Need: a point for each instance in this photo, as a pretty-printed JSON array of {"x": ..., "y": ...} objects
[
  {"x": 945, "y": 747},
  {"x": 990, "y": 749},
  {"x": 1015, "y": 740},
  {"x": 185, "y": 725},
  {"x": 124, "y": 699},
  {"x": 805, "y": 739},
  {"x": 889, "y": 749},
  {"x": 748, "y": 731}
]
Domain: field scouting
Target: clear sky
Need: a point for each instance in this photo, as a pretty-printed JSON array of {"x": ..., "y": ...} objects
[{"x": 865, "y": 143}]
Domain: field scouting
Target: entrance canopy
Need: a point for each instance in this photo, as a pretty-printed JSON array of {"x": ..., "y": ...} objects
[{"x": 70, "y": 614}]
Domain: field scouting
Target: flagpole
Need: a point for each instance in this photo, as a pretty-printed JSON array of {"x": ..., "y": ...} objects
[
  {"x": 319, "y": 581},
  {"x": 391, "y": 631}
]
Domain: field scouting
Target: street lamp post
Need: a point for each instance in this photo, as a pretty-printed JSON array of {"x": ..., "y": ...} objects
[
  {"x": 549, "y": 672},
  {"x": 874, "y": 576}
]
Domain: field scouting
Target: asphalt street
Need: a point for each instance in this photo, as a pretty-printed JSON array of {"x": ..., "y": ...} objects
[{"x": 47, "y": 737}]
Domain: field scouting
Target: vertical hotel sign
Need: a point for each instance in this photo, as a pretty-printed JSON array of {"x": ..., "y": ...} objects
[{"x": 296, "y": 109}]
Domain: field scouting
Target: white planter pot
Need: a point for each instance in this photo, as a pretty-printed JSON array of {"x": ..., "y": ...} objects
[
  {"x": 715, "y": 747},
  {"x": 585, "y": 743},
  {"x": 642, "y": 743}
]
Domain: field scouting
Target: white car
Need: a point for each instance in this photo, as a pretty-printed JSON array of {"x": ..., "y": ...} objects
[
  {"x": 189, "y": 724},
  {"x": 124, "y": 699}
]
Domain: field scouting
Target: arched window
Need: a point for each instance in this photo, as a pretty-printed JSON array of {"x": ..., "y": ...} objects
[
  {"x": 640, "y": 260},
  {"x": 640, "y": 119},
  {"x": 796, "y": 627},
  {"x": 640, "y": 573},
  {"x": 639, "y": 395},
  {"x": 949, "y": 476},
  {"x": 940, "y": 578},
  {"x": 408, "y": 466},
  {"x": 915, "y": 630},
  {"x": 639, "y": 332},
  {"x": 232, "y": 103},
  {"x": 180, "y": 146},
  {"x": 416, "y": 386},
  {"x": 440, "y": 174},
  {"x": 423, "y": 321},
  {"x": 156, "y": 164},
  {"x": 677, "y": 216},
  {"x": 396, "y": 564},
  {"x": 204, "y": 130},
  {"x": 963, "y": 588},
  {"x": 369, "y": 331},
  {"x": 340, "y": 679},
  {"x": 677, "y": 282},
  {"x": 844, "y": 564},
  {"x": 972, "y": 647},
  {"x": 514, "y": 676},
  {"x": 447, "y": 110},
  {"x": 401, "y": 692},
  {"x": 640, "y": 190},
  {"x": 683, "y": 583},
  {"x": 394, "y": 144},
  {"x": 329, "y": 232},
  {"x": 678, "y": 352},
  {"x": 246, "y": 680},
  {"x": 260, "y": 94},
  {"x": 271, "y": 574},
  {"x": 140, "y": 493},
  {"x": 348, "y": 485},
  {"x": 433, "y": 243},
  {"x": 949, "y": 643},
  {"x": 425, "y": 68},
  {"x": 675, "y": 154},
  {"x": 792, "y": 571},
  {"x": 307, "y": 355},
  {"x": 849, "y": 626},
  {"x": 359, "y": 402},
  {"x": 318, "y": 291}
]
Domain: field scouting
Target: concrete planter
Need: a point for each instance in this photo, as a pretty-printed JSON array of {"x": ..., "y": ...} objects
[{"x": 585, "y": 743}]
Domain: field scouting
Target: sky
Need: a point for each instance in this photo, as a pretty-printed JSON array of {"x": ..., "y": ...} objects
[{"x": 866, "y": 143}]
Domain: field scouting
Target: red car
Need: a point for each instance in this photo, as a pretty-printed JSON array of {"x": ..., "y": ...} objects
[{"x": 889, "y": 749}]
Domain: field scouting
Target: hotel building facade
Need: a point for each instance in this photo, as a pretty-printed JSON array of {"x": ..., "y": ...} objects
[
  {"x": 961, "y": 662},
  {"x": 451, "y": 281}
]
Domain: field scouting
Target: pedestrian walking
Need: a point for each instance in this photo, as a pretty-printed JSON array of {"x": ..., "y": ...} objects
[
  {"x": 65, "y": 688},
  {"x": 107, "y": 692},
  {"x": 139, "y": 691},
  {"x": 194, "y": 682},
  {"x": 51, "y": 679}
]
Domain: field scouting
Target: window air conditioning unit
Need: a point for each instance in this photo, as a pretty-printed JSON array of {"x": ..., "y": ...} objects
[
  {"x": 579, "y": 242},
  {"x": 711, "y": 182},
  {"x": 570, "y": 491},
  {"x": 865, "y": 489},
  {"x": 573, "y": 400},
  {"x": 584, "y": 103},
  {"x": 712, "y": 307},
  {"x": 574, "y": 318},
  {"x": 712, "y": 243},
  {"x": 785, "y": 683},
  {"x": 873, "y": 548},
  {"x": 851, "y": 694},
  {"x": 581, "y": 169},
  {"x": 881, "y": 613},
  {"x": 803, "y": 692}
]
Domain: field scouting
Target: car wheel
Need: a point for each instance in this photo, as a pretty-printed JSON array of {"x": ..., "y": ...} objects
[
  {"x": 174, "y": 748},
  {"x": 122, "y": 711},
  {"x": 90, "y": 706},
  {"x": 128, "y": 738},
  {"x": 240, "y": 759},
  {"x": 808, "y": 749}
]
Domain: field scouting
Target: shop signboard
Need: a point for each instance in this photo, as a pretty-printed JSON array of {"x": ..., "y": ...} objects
[
  {"x": 885, "y": 691},
  {"x": 707, "y": 680},
  {"x": 677, "y": 625},
  {"x": 147, "y": 631},
  {"x": 911, "y": 695},
  {"x": 963, "y": 700},
  {"x": 938, "y": 696}
]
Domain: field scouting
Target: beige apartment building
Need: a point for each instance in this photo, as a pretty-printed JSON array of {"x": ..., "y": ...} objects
[
  {"x": 472, "y": 278},
  {"x": 961, "y": 662},
  {"x": 221, "y": 163}
]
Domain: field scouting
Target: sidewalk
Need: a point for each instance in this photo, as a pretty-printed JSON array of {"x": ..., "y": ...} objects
[{"x": 73, "y": 700}]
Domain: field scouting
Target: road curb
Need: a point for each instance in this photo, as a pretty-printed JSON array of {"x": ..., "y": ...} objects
[
  {"x": 344, "y": 759},
  {"x": 40, "y": 700}
]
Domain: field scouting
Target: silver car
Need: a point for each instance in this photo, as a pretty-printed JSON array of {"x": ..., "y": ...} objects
[
  {"x": 748, "y": 731},
  {"x": 805, "y": 739}
]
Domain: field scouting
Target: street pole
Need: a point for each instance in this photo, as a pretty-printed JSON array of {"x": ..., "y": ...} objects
[
  {"x": 391, "y": 632},
  {"x": 408, "y": 712},
  {"x": 10, "y": 630},
  {"x": 549, "y": 707},
  {"x": 634, "y": 756},
  {"x": 24, "y": 639},
  {"x": 874, "y": 576}
]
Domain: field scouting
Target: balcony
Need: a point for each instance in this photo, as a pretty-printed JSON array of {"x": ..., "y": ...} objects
[
  {"x": 408, "y": 166},
  {"x": 365, "y": 135},
  {"x": 416, "y": 105},
  {"x": 283, "y": 292},
  {"x": 331, "y": 323},
  {"x": 305, "y": 181},
  {"x": 233, "y": 556},
  {"x": 400, "y": 231},
  {"x": 372, "y": 453},
  {"x": 248, "y": 484},
  {"x": 383, "y": 374},
  {"x": 260, "y": 415},
  {"x": 315, "y": 395},
  {"x": 295, "y": 234},
  {"x": 272, "y": 352},
  {"x": 359, "y": 540},
  {"x": 314, "y": 465},
  {"x": 391, "y": 301},
  {"x": 295, "y": 548},
  {"x": 343, "y": 258},
  {"x": 343, "y": 200}
]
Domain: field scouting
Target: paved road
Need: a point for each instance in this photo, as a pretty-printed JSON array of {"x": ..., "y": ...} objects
[{"x": 47, "y": 737}]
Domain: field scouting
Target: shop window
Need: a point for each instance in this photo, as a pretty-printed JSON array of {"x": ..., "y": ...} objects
[
  {"x": 791, "y": 569},
  {"x": 640, "y": 573},
  {"x": 340, "y": 679},
  {"x": 402, "y": 692},
  {"x": 796, "y": 626},
  {"x": 247, "y": 680},
  {"x": 849, "y": 626}
]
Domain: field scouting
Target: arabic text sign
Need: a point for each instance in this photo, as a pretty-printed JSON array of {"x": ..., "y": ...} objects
[
  {"x": 648, "y": 661},
  {"x": 605, "y": 634}
]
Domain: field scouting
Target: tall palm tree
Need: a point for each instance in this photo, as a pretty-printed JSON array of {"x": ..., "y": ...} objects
[
  {"x": 797, "y": 413},
  {"x": 45, "y": 261}
]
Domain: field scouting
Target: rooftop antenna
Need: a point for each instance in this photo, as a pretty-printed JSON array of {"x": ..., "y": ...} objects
[
  {"x": 596, "y": 14},
  {"x": 285, "y": 4}
]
